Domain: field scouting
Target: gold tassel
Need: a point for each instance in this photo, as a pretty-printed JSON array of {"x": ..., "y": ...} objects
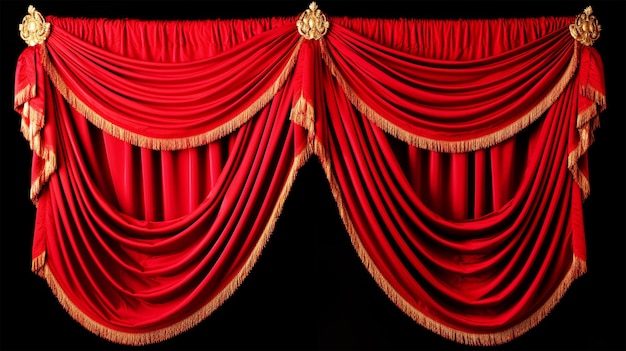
[
  {"x": 586, "y": 139},
  {"x": 173, "y": 143}
]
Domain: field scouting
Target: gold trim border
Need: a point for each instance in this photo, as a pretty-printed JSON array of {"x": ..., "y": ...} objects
[
  {"x": 303, "y": 114},
  {"x": 587, "y": 122},
  {"x": 32, "y": 133}
]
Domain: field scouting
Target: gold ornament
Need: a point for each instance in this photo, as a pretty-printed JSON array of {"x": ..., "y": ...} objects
[
  {"x": 586, "y": 28},
  {"x": 34, "y": 29},
  {"x": 312, "y": 24}
]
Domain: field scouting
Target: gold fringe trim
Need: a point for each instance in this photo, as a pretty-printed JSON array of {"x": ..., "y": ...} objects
[
  {"x": 27, "y": 93},
  {"x": 452, "y": 146},
  {"x": 587, "y": 121},
  {"x": 32, "y": 133},
  {"x": 38, "y": 262},
  {"x": 594, "y": 95},
  {"x": 139, "y": 339},
  {"x": 50, "y": 166},
  {"x": 303, "y": 114},
  {"x": 173, "y": 143},
  {"x": 577, "y": 269},
  {"x": 33, "y": 121},
  {"x": 576, "y": 154}
]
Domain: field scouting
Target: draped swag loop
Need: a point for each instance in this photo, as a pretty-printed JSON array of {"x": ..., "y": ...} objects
[{"x": 163, "y": 152}]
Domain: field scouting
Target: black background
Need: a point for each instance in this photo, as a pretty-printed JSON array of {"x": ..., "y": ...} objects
[{"x": 309, "y": 290}]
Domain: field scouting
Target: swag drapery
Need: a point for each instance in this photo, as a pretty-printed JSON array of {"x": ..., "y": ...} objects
[{"x": 163, "y": 152}]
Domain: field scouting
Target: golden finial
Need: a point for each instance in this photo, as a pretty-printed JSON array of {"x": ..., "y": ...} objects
[
  {"x": 586, "y": 28},
  {"x": 312, "y": 24},
  {"x": 34, "y": 29}
]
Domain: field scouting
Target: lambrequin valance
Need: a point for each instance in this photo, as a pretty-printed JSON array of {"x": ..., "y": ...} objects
[{"x": 163, "y": 152}]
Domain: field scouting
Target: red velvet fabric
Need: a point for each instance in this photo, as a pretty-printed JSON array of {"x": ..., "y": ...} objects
[
  {"x": 177, "y": 100},
  {"x": 164, "y": 150},
  {"x": 451, "y": 102}
]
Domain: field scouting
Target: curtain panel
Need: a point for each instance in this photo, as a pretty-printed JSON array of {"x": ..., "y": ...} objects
[{"x": 163, "y": 152}]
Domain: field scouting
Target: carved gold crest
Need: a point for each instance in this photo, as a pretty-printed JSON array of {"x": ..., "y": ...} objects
[
  {"x": 312, "y": 24},
  {"x": 34, "y": 29},
  {"x": 586, "y": 28}
]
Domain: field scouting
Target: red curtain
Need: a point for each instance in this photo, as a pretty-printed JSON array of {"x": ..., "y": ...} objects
[{"x": 455, "y": 150}]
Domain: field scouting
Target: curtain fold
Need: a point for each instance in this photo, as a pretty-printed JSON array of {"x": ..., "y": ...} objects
[
  {"x": 451, "y": 106},
  {"x": 170, "y": 105},
  {"x": 144, "y": 263},
  {"x": 445, "y": 271},
  {"x": 456, "y": 152}
]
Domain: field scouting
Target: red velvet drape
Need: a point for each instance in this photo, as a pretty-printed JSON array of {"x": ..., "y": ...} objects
[{"x": 458, "y": 165}]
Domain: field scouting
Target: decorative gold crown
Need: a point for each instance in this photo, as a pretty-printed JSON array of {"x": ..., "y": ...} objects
[
  {"x": 586, "y": 28},
  {"x": 312, "y": 23},
  {"x": 34, "y": 29}
]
